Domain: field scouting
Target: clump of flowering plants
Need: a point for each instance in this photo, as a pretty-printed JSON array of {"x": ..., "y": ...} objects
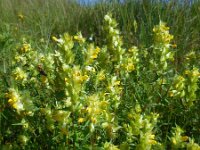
[{"x": 86, "y": 96}]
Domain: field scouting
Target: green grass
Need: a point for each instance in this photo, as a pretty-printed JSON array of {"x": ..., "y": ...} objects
[
  {"x": 136, "y": 20},
  {"x": 43, "y": 19}
]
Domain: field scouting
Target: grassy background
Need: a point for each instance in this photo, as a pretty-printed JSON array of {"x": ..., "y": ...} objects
[{"x": 43, "y": 19}]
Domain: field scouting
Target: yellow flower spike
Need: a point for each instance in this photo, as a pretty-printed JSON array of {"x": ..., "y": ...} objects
[
  {"x": 54, "y": 38},
  {"x": 89, "y": 109},
  {"x": 152, "y": 142},
  {"x": 97, "y": 50},
  {"x": 95, "y": 53},
  {"x": 130, "y": 67},
  {"x": 93, "y": 120},
  {"x": 195, "y": 72},
  {"x": 25, "y": 48},
  {"x": 117, "y": 83},
  {"x": 79, "y": 38},
  {"x": 94, "y": 56},
  {"x": 162, "y": 35},
  {"x": 101, "y": 76},
  {"x": 11, "y": 101},
  {"x": 85, "y": 78},
  {"x": 76, "y": 37},
  {"x": 133, "y": 49},
  {"x": 103, "y": 104},
  {"x": 18, "y": 106},
  {"x": 81, "y": 120},
  {"x": 174, "y": 141},
  {"x": 184, "y": 138},
  {"x": 152, "y": 136}
]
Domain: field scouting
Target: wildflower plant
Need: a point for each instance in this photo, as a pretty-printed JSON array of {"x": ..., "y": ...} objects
[{"x": 81, "y": 95}]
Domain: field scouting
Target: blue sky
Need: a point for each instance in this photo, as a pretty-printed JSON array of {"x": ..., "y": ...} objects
[
  {"x": 87, "y": 1},
  {"x": 90, "y": 1},
  {"x": 94, "y": 1}
]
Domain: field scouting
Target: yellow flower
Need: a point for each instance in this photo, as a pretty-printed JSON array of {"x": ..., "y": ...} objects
[
  {"x": 25, "y": 47},
  {"x": 184, "y": 138},
  {"x": 89, "y": 109},
  {"x": 105, "y": 125},
  {"x": 54, "y": 38},
  {"x": 79, "y": 38},
  {"x": 171, "y": 93},
  {"x": 117, "y": 83},
  {"x": 96, "y": 52},
  {"x": 60, "y": 115},
  {"x": 195, "y": 72},
  {"x": 103, "y": 104},
  {"x": 162, "y": 35},
  {"x": 14, "y": 100},
  {"x": 81, "y": 120},
  {"x": 133, "y": 49},
  {"x": 85, "y": 77},
  {"x": 174, "y": 141},
  {"x": 67, "y": 81},
  {"x": 174, "y": 46},
  {"x": 101, "y": 76},
  {"x": 93, "y": 120},
  {"x": 153, "y": 142},
  {"x": 130, "y": 67},
  {"x": 20, "y": 16},
  {"x": 18, "y": 106}
]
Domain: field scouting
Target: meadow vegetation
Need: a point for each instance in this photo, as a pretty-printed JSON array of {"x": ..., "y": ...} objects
[{"x": 105, "y": 76}]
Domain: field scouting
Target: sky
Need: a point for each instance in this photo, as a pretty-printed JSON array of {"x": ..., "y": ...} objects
[
  {"x": 87, "y": 1},
  {"x": 94, "y": 1},
  {"x": 90, "y": 1}
]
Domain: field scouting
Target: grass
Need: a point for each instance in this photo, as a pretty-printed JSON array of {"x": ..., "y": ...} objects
[{"x": 43, "y": 19}]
